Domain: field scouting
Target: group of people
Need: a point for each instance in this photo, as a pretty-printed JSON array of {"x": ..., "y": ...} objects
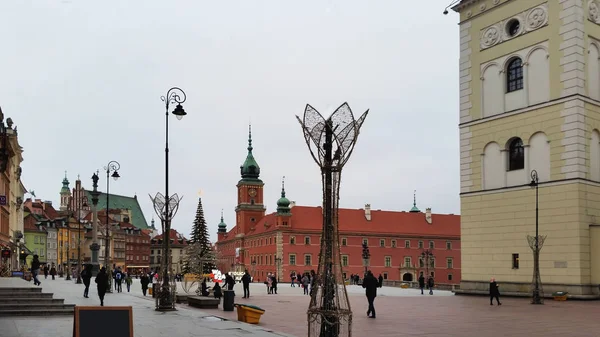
[{"x": 306, "y": 281}]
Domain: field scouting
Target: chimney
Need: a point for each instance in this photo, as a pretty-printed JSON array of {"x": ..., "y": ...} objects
[
  {"x": 368, "y": 212},
  {"x": 292, "y": 204},
  {"x": 428, "y": 215}
]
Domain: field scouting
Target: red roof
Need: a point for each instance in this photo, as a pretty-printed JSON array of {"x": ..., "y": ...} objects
[
  {"x": 307, "y": 218},
  {"x": 174, "y": 235}
]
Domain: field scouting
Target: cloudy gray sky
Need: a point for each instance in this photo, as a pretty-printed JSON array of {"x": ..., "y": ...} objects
[{"x": 82, "y": 80}]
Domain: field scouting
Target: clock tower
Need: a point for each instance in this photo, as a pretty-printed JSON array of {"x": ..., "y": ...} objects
[{"x": 250, "y": 208}]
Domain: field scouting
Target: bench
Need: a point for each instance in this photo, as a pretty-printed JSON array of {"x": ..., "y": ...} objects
[
  {"x": 181, "y": 298},
  {"x": 203, "y": 302}
]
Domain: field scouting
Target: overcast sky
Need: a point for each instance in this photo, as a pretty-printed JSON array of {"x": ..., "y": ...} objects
[{"x": 82, "y": 81}]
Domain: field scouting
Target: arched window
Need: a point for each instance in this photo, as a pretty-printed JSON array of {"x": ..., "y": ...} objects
[
  {"x": 516, "y": 155},
  {"x": 514, "y": 75}
]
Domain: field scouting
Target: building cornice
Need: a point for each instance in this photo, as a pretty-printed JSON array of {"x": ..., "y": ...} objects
[
  {"x": 463, "y": 4},
  {"x": 527, "y": 187}
]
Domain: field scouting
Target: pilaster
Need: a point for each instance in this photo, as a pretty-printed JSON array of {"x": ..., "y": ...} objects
[
  {"x": 572, "y": 48},
  {"x": 574, "y": 142},
  {"x": 465, "y": 72}
]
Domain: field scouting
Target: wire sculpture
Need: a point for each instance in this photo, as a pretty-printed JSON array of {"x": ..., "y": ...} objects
[
  {"x": 166, "y": 210},
  {"x": 537, "y": 291},
  {"x": 330, "y": 142}
]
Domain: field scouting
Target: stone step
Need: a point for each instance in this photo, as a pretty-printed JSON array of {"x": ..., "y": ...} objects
[
  {"x": 26, "y": 300},
  {"x": 20, "y": 290},
  {"x": 36, "y": 306},
  {"x": 36, "y": 312},
  {"x": 25, "y": 295}
]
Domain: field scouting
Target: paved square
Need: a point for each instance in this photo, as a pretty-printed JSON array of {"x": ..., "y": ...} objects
[{"x": 400, "y": 312}]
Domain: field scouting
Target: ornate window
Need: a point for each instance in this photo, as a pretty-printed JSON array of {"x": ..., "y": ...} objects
[
  {"x": 292, "y": 259},
  {"x": 516, "y": 155},
  {"x": 514, "y": 75},
  {"x": 344, "y": 260},
  {"x": 388, "y": 261}
]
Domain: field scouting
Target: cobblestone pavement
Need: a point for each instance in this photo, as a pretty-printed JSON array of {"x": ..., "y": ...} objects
[{"x": 400, "y": 312}]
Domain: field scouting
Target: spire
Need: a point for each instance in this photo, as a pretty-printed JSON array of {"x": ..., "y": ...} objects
[
  {"x": 415, "y": 209},
  {"x": 283, "y": 204},
  {"x": 152, "y": 223},
  {"x": 250, "y": 169},
  {"x": 222, "y": 226},
  {"x": 65, "y": 185},
  {"x": 249, "y": 138}
]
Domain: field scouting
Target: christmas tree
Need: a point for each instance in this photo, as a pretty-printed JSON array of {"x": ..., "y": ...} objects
[{"x": 200, "y": 256}]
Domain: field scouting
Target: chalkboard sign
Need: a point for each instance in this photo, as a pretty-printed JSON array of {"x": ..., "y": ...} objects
[{"x": 87, "y": 319}]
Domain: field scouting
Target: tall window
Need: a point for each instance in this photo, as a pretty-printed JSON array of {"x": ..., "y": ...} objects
[
  {"x": 307, "y": 240},
  {"x": 420, "y": 244},
  {"x": 382, "y": 243},
  {"x": 514, "y": 75},
  {"x": 292, "y": 240},
  {"x": 449, "y": 263},
  {"x": 449, "y": 245},
  {"x": 516, "y": 155},
  {"x": 388, "y": 261},
  {"x": 407, "y": 261},
  {"x": 345, "y": 260},
  {"x": 515, "y": 261},
  {"x": 431, "y": 244},
  {"x": 407, "y": 244},
  {"x": 393, "y": 243},
  {"x": 366, "y": 241},
  {"x": 344, "y": 242},
  {"x": 307, "y": 260}
]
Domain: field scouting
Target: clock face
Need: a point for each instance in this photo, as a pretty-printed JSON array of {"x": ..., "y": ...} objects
[{"x": 252, "y": 192}]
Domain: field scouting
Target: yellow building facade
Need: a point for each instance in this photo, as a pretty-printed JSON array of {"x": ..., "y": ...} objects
[{"x": 530, "y": 100}]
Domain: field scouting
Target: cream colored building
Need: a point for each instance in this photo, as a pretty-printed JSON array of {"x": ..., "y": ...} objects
[{"x": 530, "y": 100}]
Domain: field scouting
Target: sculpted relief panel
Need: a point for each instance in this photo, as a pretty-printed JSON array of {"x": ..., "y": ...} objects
[{"x": 520, "y": 24}]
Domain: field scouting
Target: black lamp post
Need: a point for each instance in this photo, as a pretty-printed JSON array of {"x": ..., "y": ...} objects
[
  {"x": 366, "y": 255},
  {"x": 166, "y": 206},
  {"x": 114, "y": 167},
  {"x": 79, "y": 204},
  {"x": 536, "y": 298},
  {"x": 95, "y": 247},
  {"x": 427, "y": 257}
]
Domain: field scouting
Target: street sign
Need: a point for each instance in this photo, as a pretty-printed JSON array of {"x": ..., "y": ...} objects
[{"x": 3, "y": 200}]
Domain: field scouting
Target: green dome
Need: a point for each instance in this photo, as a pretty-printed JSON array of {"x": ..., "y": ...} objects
[
  {"x": 283, "y": 204},
  {"x": 222, "y": 226},
  {"x": 250, "y": 168},
  {"x": 65, "y": 185},
  {"x": 415, "y": 209}
]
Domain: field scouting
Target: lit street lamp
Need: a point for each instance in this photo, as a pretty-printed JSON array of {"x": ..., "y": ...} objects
[{"x": 114, "y": 167}]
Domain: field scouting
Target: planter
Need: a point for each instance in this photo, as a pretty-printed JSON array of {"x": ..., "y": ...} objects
[
  {"x": 405, "y": 286},
  {"x": 249, "y": 313},
  {"x": 560, "y": 295}
]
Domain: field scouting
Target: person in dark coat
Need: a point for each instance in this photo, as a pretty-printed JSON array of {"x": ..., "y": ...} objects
[
  {"x": 274, "y": 284},
  {"x": 86, "y": 277},
  {"x": 204, "y": 288},
  {"x": 430, "y": 284},
  {"x": 53, "y": 271},
  {"x": 102, "y": 284},
  {"x": 46, "y": 271},
  {"x": 494, "y": 292},
  {"x": 370, "y": 283},
  {"x": 246, "y": 283},
  {"x": 217, "y": 291},
  {"x": 380, "y": 283},
  {"x": 35, "y": 269},
  {"x": 144, "y": 280},
  {"x": 421, "y": 283},
  {"x": 229, "y": 281}
]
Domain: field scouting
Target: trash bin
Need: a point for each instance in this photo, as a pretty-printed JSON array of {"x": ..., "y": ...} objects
[
  {"x": 155, "y": 289},
  {"x": 228, "y": 298}
]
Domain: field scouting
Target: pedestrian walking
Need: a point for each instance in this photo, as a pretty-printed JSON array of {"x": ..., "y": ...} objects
[
  {"x": 430, "y": 284},
  {"x": 128, "y": 282},
  {"x": 370, "y": 283},
  {"x": 53, "y": 271},
  {"x": 86, "y": 277},
  {"x": 246, "y": 283},
  {"x": 421, "y": 282},
  {"x": 46, "y": 271},
  {"x": 144, "y": 280},
  {"x": 494, "y": 292},
  {"x": 35, "y": 269},
  {"x": 380, "y": 281},
  {"x": 119, "y": 280},
  {"x": 305, "y": 283},
  {"x": 102, "y": 284},
  {"x": 274, "y": 285}
]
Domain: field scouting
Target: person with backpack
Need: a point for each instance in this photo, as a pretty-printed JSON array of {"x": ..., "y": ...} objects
[{"x": 119, "y": 280}]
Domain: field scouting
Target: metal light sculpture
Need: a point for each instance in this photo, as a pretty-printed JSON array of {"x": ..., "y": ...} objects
[
  {"x": 535, "y": 243},
  {"x": 330, "y": 142}
]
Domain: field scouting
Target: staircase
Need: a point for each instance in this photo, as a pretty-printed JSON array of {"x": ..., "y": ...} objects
[{"x": 16, "y": 301}]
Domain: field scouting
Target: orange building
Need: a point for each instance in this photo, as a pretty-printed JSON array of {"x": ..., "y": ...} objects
[{"x": 288, "y": 240}]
